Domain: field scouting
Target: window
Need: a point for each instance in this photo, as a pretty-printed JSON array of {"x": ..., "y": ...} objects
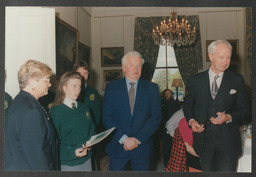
[{"x": 166, "y": 70}]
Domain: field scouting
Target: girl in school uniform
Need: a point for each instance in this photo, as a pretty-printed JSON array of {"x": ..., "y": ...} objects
[{"x": 73, "y": 123}]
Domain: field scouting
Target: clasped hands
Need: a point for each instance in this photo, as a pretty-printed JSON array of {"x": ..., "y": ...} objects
[
  {"x": 222, "y": 118},
  {"x": 81, "y": 152},
  {"x": 130, "y": 143}
]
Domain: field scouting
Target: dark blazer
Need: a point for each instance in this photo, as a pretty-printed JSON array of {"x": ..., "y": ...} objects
[
  {"x": 231, "y": 98},
  {"x": 30, "y": 138},
  {"x": 145, "y": 120}
]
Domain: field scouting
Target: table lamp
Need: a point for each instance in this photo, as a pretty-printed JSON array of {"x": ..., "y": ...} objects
[{"x": 177, "y": 83}]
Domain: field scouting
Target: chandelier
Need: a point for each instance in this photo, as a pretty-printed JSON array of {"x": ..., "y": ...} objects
[{"x": 173, "y": 32}]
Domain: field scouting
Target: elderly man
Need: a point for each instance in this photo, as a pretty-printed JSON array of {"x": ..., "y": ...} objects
[
  {"x": 215, "y": 105},
  {"x": 133, "y": 106}
]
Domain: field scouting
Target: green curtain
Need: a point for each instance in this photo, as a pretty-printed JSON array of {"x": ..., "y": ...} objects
[
  {"x": 249, "y": 36},
  {"x": 144, "y": 44},
  {"x": 189, "y": 58}
]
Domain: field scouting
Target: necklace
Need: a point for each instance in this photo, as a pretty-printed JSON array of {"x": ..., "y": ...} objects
[{"x": 45, "y": 112}]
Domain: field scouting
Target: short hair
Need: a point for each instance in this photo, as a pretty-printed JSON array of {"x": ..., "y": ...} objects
[
  {"x": 32, "y": 69},
  {"x": 214, "y": 44},
  {"x": 60, "y": 95},
  {"x": 81, "y": 63},
  {"x": 131, "y": 54}
]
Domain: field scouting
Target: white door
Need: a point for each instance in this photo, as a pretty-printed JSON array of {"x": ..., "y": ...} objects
[{"x": 29, "y": 34}]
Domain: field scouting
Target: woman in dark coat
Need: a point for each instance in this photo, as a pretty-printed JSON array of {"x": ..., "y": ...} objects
[{"x": 30, "y": 139}]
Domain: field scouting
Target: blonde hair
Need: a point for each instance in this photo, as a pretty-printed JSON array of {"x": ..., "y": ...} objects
[
  {"x": 60, "y": 94},
  {"x": 32, "y": 69}
]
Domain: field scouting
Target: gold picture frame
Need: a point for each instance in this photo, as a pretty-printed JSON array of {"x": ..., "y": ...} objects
[
  {"x": 110, "y": 75},
  {"x": 66, "y": 47},
  {"x": 111, "y": 56},
  {"x": 84, "y": 53}
]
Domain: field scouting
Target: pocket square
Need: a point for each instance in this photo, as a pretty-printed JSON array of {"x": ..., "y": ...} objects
[{"x": 232, "y": 91}]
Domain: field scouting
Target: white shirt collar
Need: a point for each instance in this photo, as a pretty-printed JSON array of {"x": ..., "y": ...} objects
[
  {"x": 212, "y": 75},
  {"x": 68, "y": 102}
]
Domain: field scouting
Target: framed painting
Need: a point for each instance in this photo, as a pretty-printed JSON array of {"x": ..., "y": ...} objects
[
  {"x": 84, "y": 53},
  {"x": 66, "y": 47},
  {"x": 110, "y": 75},
  {"x": 235, "y": 51},
  {"x": 111, "y": 56}
]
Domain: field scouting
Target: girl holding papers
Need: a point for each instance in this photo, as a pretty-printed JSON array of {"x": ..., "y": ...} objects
[{"x": 73, "y": 123}]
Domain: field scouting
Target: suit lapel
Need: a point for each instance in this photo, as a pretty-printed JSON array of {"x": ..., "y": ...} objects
[
  {"x": 206, "y": 90},
  {"x": 224, "y": 87}
]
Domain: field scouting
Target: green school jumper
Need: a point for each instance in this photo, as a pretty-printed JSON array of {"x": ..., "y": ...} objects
[
  {"x": 92, "y": 99},
  {"x": 7, "y": 103},
  {"x": 74, "y": 128}
]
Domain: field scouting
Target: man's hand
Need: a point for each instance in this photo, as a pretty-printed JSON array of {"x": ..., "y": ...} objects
[
  {"x": 196, "y": 127},
  {"x": 222, "y": 118},
  {"x": 130, "y": 143}
]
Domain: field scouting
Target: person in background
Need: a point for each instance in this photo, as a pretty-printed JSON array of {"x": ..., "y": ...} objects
[
  {"x": 169, "y": 107},
  {"x": 73, "y": 123},
  {"x": 90, "y": 96},
  {"x": 132, "y": 105},
  {"x": 214, "y": 107},
  {"x": 47, "y": 100},
  {"x": 163, "y": 141},
  {"x": 7, "y": 102},
  {"x": 30, "y": 139}
]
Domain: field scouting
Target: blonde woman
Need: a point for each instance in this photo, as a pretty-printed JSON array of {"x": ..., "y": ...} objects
[
  {"x": 30, "y": 139},
  {"x": 73, "y": 123}
]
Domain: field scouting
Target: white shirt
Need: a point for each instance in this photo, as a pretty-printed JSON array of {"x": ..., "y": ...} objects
[
  {"x": 69, "y": 102},
  {"x": 211, "y": 78},
  {"x": 173, "y": 122}
]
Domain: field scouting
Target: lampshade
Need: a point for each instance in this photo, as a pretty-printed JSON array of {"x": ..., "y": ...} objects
[{"x": 177, "y": 83}]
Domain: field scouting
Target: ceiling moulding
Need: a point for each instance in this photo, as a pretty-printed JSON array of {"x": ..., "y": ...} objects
[
  {"x": 88, "y": 10},
  {"x": 99, "y": 11},
  {"x": 112, "y": 11}
]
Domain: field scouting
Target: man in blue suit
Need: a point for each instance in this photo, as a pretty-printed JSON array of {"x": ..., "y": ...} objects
[
  {"x": 135, "y": 117},
  {"x": 215, "y": 106}
]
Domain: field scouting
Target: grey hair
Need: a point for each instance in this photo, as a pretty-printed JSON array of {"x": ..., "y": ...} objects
[
  {"x": 214, "y": 44},
  {"x": 131, "y": 54}
]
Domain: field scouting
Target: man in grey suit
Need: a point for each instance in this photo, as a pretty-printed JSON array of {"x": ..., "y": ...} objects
[{"x": 215, "y": 105}]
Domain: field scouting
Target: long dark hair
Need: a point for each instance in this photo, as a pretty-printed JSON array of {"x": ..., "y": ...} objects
[{"x": 60, "y": 95}]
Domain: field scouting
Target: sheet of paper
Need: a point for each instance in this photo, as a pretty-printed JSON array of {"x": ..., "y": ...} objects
[{"x": 99, "y": 137}]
